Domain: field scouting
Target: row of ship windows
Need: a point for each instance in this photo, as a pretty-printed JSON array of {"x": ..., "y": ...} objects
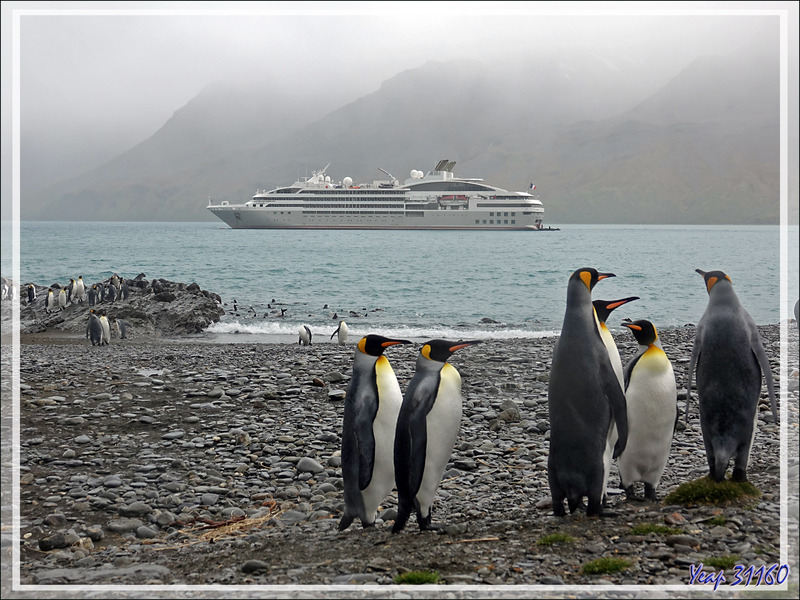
[
  {"x": 408, "y": 214},
  {"x": 399, "y": 206},
  {"x": 491, "y": 222}
]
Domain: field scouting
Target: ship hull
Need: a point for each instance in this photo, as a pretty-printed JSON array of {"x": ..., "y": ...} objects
[{"x": 241, "y": 217}]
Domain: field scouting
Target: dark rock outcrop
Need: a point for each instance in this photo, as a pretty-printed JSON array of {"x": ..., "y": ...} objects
[{"x": 162, "y": 308}]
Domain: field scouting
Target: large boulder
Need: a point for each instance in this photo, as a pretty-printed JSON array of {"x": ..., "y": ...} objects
[{"x": 162, "y": 308}]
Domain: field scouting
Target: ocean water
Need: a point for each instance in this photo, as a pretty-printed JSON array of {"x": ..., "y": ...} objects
[{"x": 417, "y": 284}]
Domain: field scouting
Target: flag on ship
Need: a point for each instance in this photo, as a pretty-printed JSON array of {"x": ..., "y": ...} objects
[{"x": 533, "y": 187}]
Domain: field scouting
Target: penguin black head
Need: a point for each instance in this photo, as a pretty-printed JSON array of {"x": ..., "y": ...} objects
[
  {"x": 374, "y": 344},
  {"x": 712, "y": 277},
  {"x": 644, "y": 331},
  {"x": 590, "y": 276},
  {"x": 603, "y": 308},
  {"x": 441, "y": 350}
]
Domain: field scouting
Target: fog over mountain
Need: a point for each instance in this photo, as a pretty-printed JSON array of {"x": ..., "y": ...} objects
[{"x": 608, "y": 136}]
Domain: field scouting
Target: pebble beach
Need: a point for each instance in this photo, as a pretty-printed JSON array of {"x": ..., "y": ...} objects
[{"x": 172, "y": 467}]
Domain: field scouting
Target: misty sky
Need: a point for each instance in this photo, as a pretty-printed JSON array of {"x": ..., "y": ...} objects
[{"x": 111, "y": 79}]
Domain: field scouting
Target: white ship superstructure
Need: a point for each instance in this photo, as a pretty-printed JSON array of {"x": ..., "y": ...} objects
[{"x": 436, "y": 200}]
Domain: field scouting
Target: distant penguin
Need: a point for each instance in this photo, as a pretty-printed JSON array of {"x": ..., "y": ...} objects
[
  {"x": 305, "y": 335},
  {"x": 31, "y": 294},
  {"x": 371, "y": 406},
  {"x": 5, "y": 289},
  {"x": 124, "y": 290},
  {"x": 50, "y": 302},
  {"x": 106, "y": 326},
  {"x": 62, "y": 298},
  {"x": 101, "y": 292},
  {"x": 120, "y": 327},
  {"x": 92, "y": 295},
  {"x": 341, "y": 330},
  {"x": 730, "y": 359},
  {"x": 652, "y": 408},
  {"x": 427, "y": 427},
  {"x": 114, "y": 280},
  {"x": 584, "y": 396},
  {"x": 602, "y": 310},
  {"x": 112, "y": 293},
  {"x": 79, "y": 291},
  {"x": 94, "y": 329},
  {"x": 71, "y": 290}
]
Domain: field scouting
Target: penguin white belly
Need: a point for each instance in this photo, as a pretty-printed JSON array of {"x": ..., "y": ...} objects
[
  {"x": 651, "y": 400},
  {"x": 442, "y": 424},
  {"x": 616, "y": 363},
  {"x": 383, "y": 429}
]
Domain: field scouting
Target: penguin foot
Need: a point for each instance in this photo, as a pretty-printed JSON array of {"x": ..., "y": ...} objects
[
  {"x": 650, "y": 492},
  {"x": 738, "y": 474},
  {"x": 630, "y": 496}
]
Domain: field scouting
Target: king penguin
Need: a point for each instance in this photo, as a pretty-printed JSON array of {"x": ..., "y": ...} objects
[
  {"x": 427, "y": 426},
  {"x": 371, "y": 406},
  {"x": 50, "y": 301},
  {"x": 94, "y": 329},
  {"x": 62, "y": 298},
  {"x": 305, "y": 335},
  {"x": 341, "y": 330},
  {"x": 106, "y": 326},
  {"x": 584, "y": 396},
  {"x": 31, "y": 294},
  {"x": 652, "y": 407},
  {"x": 729, "y": 357},
  {"x": 79, "y": 290},
  {"x": 603, "y": 310}
]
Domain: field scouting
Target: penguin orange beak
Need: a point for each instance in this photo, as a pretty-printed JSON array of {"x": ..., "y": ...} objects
[
  {"x": 464, "y": 345},
  {"x": 631, "y": 326},
  {"x": 388, "y": 343},
  {"x": 618, "y": 303},
  {"x": 601, "y": 276}
]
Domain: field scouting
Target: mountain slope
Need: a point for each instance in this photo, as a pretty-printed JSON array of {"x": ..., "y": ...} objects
[{"x": 703, "y": 148}]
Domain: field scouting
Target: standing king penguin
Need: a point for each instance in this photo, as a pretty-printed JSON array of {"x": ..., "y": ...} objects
[
  {"x": 652, "y": 405},
  {"x": 584, "y": 395},
  {"x": 62, "y": 298},
  {"x": 730, "y": 358},
  {"x": 305, "y": 335},
  {"x": 427, "y": 426},
  {"x": 31, "y": 294},
  {"x": 603, "y": 310},
  {"x": 50, "y": 301},
  {"x": 94, "y": 329},
  {"x": 106, "y": 326},
  {"x": 371, "y": 406},
  {"x": 341, "y": 330}
]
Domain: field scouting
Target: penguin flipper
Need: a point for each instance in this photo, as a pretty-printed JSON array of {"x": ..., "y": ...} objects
[
  {"x": 619, "y": 409},
  {"x": 763, "y": 361},
  {"x": 692, "y": 364}
]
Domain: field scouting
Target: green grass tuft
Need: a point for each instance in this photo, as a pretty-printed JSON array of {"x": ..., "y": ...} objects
[
  {"x": 707, "y": 491},
  {"x": 725, "y": 562},
  {"x": 718, "y": 520},
  {"x": 556, "y": 538},
  {"x": 417, "y": 578},
  {"x": 605, "y": 565},
  {"x": 645, "y": 528}
]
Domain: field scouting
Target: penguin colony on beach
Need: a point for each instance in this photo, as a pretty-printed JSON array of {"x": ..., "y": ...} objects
[{"x": 599, "y": 410}]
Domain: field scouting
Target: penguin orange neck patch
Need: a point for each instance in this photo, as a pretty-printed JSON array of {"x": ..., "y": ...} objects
[{"x": 586, "y": 277}]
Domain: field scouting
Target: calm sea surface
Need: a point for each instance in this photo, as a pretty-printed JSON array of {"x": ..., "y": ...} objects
[{"x": 417, "y": 284}]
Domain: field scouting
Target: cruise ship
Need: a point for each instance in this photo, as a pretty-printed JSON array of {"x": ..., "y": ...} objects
[{"x": 436, "y": 200}]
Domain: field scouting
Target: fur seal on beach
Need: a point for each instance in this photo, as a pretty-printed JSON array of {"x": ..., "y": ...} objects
[
  {"x": 584, "y": 396},
  {"x": 729, "y": 357},
  {"x": 602, "y": 310},
  {"x": 652, "y": 408},
  {"x": 371, "y": 406},
  {"x": 341, "y": 330},
  {"x": 305, "y": 335},
  {"x": 427, "y": 426}
]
